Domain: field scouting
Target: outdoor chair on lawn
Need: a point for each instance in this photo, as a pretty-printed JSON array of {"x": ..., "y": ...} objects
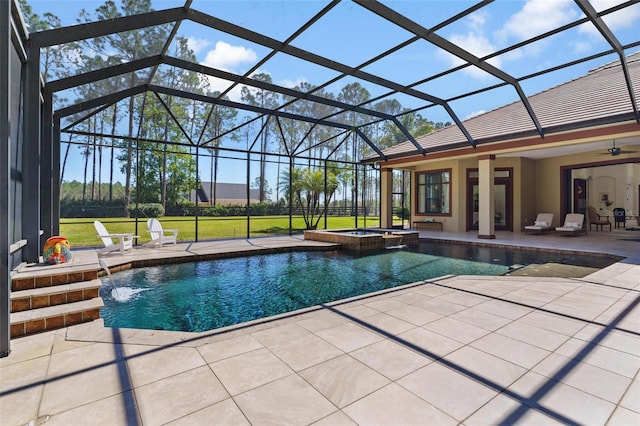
[
  {"x": 160, "y": 236},
  {"x": 123, "y": 242}
]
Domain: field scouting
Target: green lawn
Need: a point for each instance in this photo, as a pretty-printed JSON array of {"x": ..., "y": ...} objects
[{"x": 81, "y": 232}]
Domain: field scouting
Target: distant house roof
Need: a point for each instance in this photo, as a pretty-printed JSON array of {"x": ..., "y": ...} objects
[
  {"x": 600, "y": 97},
  {"x": 225, "y": 191}
]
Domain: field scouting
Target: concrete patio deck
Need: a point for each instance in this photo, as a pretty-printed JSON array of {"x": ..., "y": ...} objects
[{"x": 472, "y": 350}]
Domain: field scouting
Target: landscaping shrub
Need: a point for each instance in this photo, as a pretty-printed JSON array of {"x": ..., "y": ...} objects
[
  {"x": 146, "y": 210},
  {"x": 256, "y": 209},
  {"x": 73, "y": 208}
]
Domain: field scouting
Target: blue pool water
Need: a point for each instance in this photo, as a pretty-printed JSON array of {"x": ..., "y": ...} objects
[{"x": 205, "y": 295}]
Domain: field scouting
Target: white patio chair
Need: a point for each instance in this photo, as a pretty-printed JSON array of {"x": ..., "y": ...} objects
[
  {"x": 573, "y": 224},
  {"x": 542, "y": 223},
  {"x": 160, "y": 236},
  {"x": 123, "y": 242}
]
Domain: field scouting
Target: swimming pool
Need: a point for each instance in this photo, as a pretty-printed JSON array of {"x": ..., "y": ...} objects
[{"x": 205, "y": 295}]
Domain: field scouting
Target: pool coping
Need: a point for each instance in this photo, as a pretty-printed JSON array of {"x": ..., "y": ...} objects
[
  {"x": 617, "y": 257},
  {"x": 85, "y": 332}
]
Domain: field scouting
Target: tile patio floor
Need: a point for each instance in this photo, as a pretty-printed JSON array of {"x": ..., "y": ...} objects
[{"x": 469, "y": 350}]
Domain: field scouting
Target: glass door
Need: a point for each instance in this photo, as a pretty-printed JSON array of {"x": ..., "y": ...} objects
[
  {"x": 400, "y": 199},
  {"x": 502, "y": 197},
  {"x": 502, "y": 218}
]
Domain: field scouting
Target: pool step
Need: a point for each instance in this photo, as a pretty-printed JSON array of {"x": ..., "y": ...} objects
[
  {"x": 43, "y": 308},
  {"x": 24, "y": 300},
  {"x": 52, "y": 317},
  {"x": 47, "y": 278}
]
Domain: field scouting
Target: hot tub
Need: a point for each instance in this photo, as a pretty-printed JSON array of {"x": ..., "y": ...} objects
[{"x": 364, "y": 238}]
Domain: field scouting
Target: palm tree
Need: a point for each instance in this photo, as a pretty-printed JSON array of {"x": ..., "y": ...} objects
[{"x": 306, "y": 188}]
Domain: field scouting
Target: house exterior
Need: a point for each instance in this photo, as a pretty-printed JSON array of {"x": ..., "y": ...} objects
[
  {"x": 585, "y": 151},
  {"x": 224, "y": 194}
]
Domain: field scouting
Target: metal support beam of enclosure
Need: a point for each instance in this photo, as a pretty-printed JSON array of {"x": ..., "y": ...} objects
[
  {"x": 31, "y": 156},
  {"x": 5, "y": 148},
  {"x": 55, "y": 177},
  {"x": 430, "y": 36},
  {"x": 602, "y": 27},
  {"x": 47, "y": 160},
  {"x": 95, "y": 29}
]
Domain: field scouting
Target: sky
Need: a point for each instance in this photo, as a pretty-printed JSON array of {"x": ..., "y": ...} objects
[{"x": 351, "y": 35}]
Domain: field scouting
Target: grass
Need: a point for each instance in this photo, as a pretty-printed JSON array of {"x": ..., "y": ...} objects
[{"x": 81, "y": 233}]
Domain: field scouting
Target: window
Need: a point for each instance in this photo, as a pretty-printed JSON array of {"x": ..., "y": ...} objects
[
  {"x": 497, "y": 173},
  {"x": 434, "y": 192}
]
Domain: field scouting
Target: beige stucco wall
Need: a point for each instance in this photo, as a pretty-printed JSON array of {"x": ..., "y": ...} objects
[
  {"x": 457, "y": 222},
  {"x": 528, "y": 187},
  {"x": 458, "y": 190},
  {"x": 536, "y": 185}
]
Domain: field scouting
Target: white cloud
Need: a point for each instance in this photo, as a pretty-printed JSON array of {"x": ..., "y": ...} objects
[
  {"x": 476, "y": 21},
  {"x": 292, "y": 83},
  {"x": 624, "y": 18},
  {"x": 235, "y": 94},
  {"x": 539, "y": 16},
  {"x": 198, "y": 44},
  {"x": 217, "y": 84},
  {"x": 474, "y": 114},
  {"x": 220, "y": 85},
  {"x": 475, "y": 42},
  {"x": 513, "y": 55},
  {"x": 225, "y": 56},
  {"x": 580, "y": 46}
]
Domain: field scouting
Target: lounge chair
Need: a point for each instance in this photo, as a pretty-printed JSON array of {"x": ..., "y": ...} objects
[
  {"x": 123, "y": 242},
  {"x": 542, "y": 223},
  {"x": 573, "y": 223},
  {"x": 160, "y": 236},
  {"x": 596, "y": 219}
]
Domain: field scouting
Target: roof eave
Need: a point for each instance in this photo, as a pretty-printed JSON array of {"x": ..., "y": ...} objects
[{"x": 533, "y": 133}]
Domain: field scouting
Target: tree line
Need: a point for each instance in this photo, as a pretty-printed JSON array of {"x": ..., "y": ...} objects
[{"x": 154, "y": 140}]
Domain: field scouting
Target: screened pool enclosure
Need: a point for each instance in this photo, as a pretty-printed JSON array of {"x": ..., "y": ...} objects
[
  {"x": 151, "y": 135},
  {"x": 111, "y": 113}
]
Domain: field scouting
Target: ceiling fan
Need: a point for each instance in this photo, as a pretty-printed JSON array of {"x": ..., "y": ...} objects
[{"x": 615, "y": 150}]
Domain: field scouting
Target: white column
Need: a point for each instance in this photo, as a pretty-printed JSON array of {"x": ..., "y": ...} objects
[
  {"x": 486, "y": 206},
  {"x": 386, "y": 198}
]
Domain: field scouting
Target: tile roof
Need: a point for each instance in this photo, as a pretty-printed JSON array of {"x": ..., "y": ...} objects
[{"x": 599, "y": 97}]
